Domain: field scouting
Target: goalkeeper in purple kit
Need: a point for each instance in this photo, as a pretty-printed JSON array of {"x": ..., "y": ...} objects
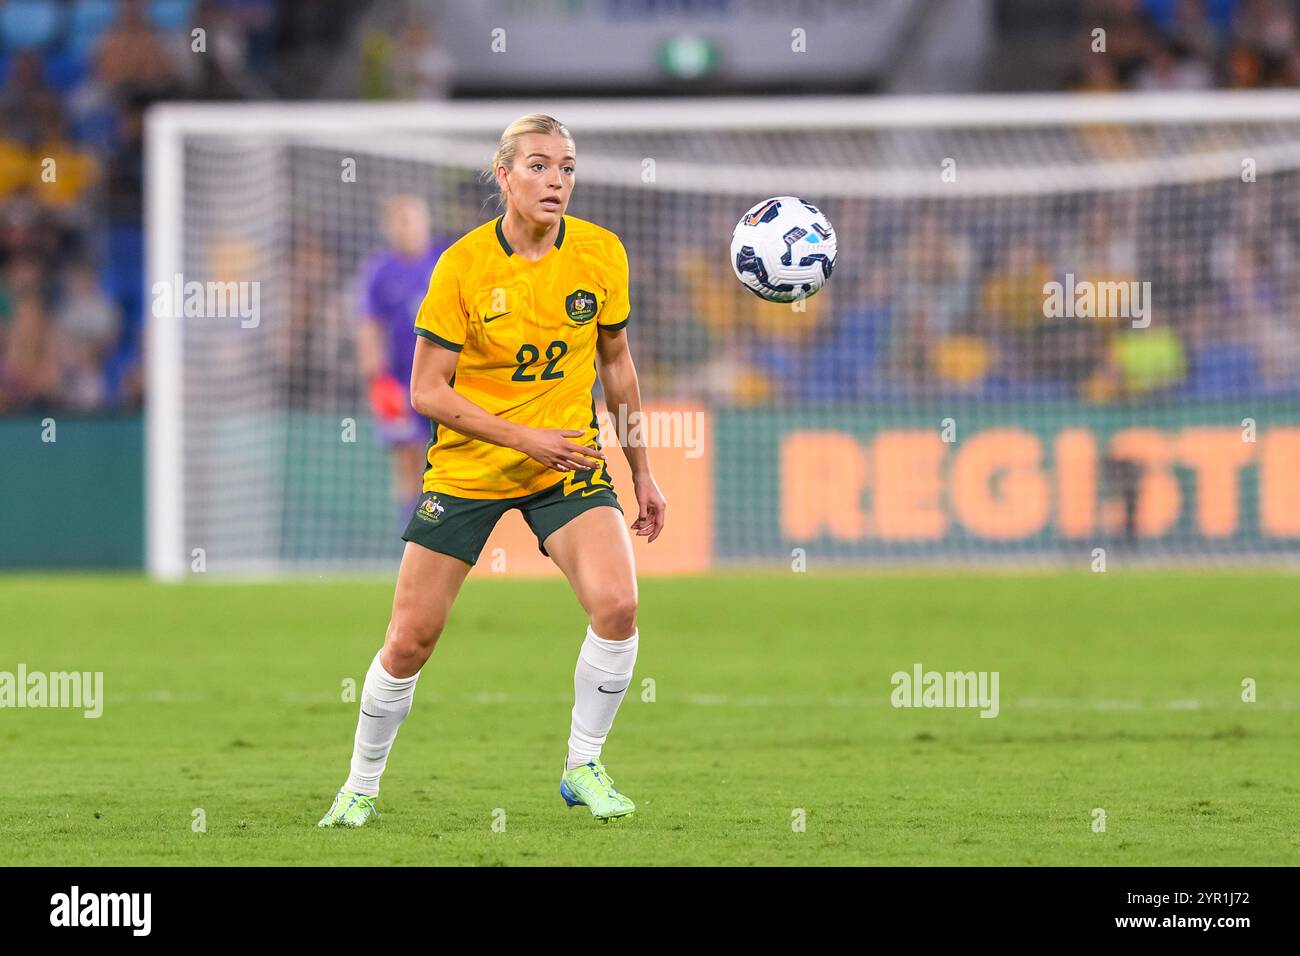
[{"x": 393, "y": 284}]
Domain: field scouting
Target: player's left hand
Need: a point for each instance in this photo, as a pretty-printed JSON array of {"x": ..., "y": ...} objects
[{"x": 652, "y": 505}]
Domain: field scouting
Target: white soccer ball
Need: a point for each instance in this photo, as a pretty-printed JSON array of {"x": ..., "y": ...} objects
[{"x": 783, "y": 249}]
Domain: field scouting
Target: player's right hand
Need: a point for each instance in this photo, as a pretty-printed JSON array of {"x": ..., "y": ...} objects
[{"x": 551, "y": 446}]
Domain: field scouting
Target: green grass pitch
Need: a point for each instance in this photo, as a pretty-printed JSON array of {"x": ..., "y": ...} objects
[{"x": 1118, "y": 691}]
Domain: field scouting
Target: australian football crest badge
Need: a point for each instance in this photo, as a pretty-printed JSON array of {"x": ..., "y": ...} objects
[{"x": 581, "y": 306}]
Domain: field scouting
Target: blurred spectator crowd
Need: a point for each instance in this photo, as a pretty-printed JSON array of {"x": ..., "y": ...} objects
[
  {"x": 77, "y": 77},
  {"x": 1188, "y": 45},
  {"x": 937, "y": 299},
  {"x": 927, "y": 300}
]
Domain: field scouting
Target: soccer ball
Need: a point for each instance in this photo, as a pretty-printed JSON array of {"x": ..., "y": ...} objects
[{"x": 783, "y": 249}]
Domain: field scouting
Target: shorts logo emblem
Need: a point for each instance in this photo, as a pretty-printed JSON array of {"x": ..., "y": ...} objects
[{"x": 431, "y": 509}]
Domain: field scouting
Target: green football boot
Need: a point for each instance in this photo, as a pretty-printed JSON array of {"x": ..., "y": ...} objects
[
  {"x": 590, "y": 786},
  {"x": 350, "y": 809}
]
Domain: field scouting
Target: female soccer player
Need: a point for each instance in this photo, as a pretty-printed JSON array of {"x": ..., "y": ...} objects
[{"x": 518, "y": 312}]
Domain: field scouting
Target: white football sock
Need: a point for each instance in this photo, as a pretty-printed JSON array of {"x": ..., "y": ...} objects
[
  {"x": 385, "y": 701},
  {"x": 599, "y": 683}
]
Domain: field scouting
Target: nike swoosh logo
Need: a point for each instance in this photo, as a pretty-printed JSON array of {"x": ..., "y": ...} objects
[
  {"x": 489, "y": 318},
  {"x": 588, "y": 494},
  {"x": 601, "y": 688}
]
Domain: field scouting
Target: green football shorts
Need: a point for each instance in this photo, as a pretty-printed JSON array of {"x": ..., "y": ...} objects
[{"x": 460, "y": 526}]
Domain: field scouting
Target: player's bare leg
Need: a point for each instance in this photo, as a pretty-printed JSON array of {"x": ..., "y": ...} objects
[
  {"x": 595, "y": 554},
  {"x": 427, "y": 585}
]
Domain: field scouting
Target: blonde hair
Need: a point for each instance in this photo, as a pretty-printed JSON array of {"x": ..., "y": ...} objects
[{"x": 508, "y": 147}]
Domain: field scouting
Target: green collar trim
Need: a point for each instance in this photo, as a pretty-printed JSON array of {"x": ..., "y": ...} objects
[{"x": 505, "y": 246}]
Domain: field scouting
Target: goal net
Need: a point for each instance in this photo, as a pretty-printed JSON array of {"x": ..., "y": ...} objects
[{"x": 1059, "y": 329}]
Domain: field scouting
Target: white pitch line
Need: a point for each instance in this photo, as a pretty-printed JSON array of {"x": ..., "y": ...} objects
[{"x": 494, "y": 698}]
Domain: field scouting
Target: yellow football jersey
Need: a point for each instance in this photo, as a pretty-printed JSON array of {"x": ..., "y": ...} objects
[{"x": 526, "y": 333}]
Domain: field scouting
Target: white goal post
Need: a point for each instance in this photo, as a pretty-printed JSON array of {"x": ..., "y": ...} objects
[{"x": 934, "y": 198}]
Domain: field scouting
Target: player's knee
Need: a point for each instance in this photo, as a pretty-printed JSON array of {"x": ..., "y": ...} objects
[
  {"x": 614, "y": 617},
  {"x": 409, "y": 644}
]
